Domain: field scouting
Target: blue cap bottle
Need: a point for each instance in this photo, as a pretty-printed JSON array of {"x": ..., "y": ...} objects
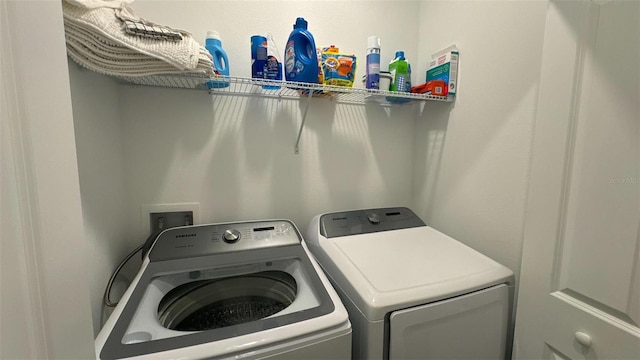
[{"x": 220, "y": 60}]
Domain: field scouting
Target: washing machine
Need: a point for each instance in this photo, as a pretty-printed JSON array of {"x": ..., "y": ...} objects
[
  {"x": 235, "y": 290},
  {"x": 411, "y": 291}
]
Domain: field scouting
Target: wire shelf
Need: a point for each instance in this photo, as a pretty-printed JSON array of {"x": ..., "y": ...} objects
[{"x": 239, "y": 86}]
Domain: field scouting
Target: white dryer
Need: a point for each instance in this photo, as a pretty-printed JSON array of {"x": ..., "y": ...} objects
[
  {"x": 235, "y": 290},
  {"x": 413, "y": 292}
]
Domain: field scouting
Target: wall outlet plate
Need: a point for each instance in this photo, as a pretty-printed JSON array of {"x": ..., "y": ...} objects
[
  {"x": 178, "y": 210},
  {"x": 165, "y": 220}
]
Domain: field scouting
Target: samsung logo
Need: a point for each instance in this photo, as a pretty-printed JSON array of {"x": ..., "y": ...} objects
[{"x": 185, "y": 235}]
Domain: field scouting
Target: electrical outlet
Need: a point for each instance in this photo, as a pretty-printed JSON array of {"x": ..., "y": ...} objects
[
  {"x": 157, "y": 217},
  {"x": 165, "y": 220}
]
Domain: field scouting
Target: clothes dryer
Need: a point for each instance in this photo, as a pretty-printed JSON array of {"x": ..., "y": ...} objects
[
  {"x": 413, "y": 292},
  {"x": 233, "y": 290}
]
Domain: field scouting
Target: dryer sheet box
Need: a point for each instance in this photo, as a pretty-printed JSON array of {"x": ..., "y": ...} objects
[{"x": 444, "y": 66}]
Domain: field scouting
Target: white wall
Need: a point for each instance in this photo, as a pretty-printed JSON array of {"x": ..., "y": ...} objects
[
  {"x": 99, "y": 142},
  {"x": 345, "y": 24},
  {"x": 45, "y": 305},
  {"x": 234, "y": 155},
  {"x": 15, "y": 313},
  {"x": 472, "y": 158}
]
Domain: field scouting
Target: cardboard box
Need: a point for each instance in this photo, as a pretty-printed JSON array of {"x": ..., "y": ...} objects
[{"x": 444, "y": 66}]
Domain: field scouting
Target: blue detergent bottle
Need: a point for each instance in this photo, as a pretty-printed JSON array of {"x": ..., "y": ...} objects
[
  {"x": 300, "y": 58},
  {"x": 220, "y": 60}
]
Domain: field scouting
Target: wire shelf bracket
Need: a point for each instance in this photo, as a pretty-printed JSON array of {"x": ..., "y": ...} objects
[{"x": 296, "y": 148}]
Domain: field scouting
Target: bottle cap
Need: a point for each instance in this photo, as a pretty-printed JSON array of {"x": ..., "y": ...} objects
[
  {"x": 373, "y": 42},
  {"x": 332, "y": 49},
  {"x": 301, "y": 23},
  {"x": 213, "y": 35},
  {"x": 399, "y": 54}
]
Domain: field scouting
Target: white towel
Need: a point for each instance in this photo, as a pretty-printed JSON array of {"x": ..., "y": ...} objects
[
  {"x": 103, "y": 27},
  {"x": 131, "y": 65},
  {"x": 92, "y": 4},
  {"x": 101, "y": 58}
]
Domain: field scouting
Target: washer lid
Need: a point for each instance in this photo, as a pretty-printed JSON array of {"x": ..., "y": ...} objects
[{"x": 388, "y": 270}]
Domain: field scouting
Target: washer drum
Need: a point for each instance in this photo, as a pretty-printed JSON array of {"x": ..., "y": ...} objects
[{"x": 211, "y": 304}]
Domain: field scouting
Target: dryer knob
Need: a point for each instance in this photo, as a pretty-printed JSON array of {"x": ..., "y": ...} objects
[
  {"x": 373, "y": 218},
  {"x": 231, "y": 236}
]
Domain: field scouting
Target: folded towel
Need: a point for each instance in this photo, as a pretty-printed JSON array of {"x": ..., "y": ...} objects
[
  {"x": 104, "y": 24},
  {"x": 102, "y": 53},
  {"x": 107, "y": 37},
  {"x": 92, "y": 4}
]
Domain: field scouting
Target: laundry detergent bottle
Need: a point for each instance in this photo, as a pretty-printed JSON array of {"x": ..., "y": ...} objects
[
  {"x": 220, "y": 60},
  {"x": 400, "y": 73},
  {"x": 400, "y": 77},
  {"x": 300, "y": 58}
]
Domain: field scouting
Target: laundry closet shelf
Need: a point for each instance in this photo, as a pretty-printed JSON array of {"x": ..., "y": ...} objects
[
  {"x": 289, "y": 90},
  {"x": 297, "y": 90}
]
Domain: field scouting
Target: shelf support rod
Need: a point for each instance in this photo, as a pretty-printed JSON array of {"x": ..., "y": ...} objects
[{"x": 296, "y": 149}]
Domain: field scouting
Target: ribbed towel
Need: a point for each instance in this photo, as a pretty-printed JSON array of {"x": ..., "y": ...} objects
[
  {"x": 108, "y": 58},
  {"x": 97, "y": 40},
  {"x": 92, "y": 4}
]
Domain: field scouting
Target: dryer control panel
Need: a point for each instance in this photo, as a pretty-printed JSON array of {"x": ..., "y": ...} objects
[
  {"x": 368, "y": 221},
  {"x": 200, "y": 240}
]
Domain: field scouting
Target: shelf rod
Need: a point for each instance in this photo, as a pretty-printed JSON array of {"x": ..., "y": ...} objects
[{"x": 296, "y": 149}]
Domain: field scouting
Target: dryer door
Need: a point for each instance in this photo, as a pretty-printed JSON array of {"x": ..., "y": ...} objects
[{"x": 472, "y": 326}]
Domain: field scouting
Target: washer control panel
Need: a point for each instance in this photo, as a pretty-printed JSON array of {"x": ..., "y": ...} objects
[
  {"x": 368, "y": 221},
  {"x": 199, "y": 240}
]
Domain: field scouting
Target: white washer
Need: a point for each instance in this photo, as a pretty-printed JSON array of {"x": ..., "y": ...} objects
[
  {"x": 236, "y": 290},
  {"x": 413, "y": 292}
]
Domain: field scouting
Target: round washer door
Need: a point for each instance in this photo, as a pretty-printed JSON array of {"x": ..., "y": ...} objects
[{"x": 217, "y": 303}]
